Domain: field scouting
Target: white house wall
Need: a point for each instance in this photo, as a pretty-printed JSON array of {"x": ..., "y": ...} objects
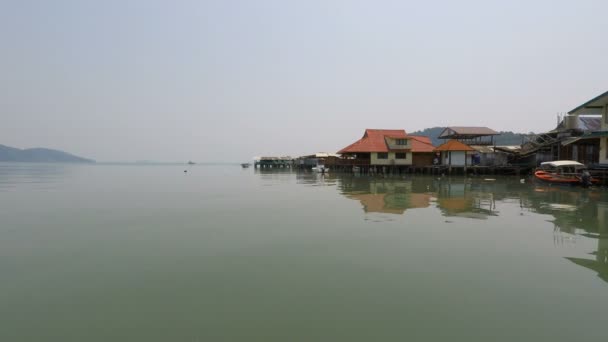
[{"x": 458, "y": 158}]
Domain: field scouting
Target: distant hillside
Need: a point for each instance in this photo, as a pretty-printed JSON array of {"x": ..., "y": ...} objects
[
  {"x": 505, "y": 138},
  {"x": 11, "y": 154}
]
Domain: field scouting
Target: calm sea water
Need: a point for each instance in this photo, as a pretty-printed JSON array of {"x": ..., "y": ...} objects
[{"x": 150, "y": 253}]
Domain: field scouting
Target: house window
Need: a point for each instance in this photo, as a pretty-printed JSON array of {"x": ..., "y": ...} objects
[
  {"x": 382, "y": 155},
  {"x": 401, "y": 141},
  {"x": 401, "y": 155}
]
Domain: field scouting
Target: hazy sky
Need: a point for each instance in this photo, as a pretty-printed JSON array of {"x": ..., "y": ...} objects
[{"x": 229, "y": 80}]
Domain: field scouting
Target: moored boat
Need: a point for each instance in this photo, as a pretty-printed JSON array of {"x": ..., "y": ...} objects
[
  {"x": 567, "y": 172},
  {"x": 245, "y": 165}
]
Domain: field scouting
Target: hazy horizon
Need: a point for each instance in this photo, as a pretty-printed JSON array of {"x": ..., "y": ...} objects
[{"x": 223, "y": 81}]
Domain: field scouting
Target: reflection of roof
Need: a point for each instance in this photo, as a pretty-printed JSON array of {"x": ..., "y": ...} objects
[
  {"x": 464, "y": 130},
  {"x": 420, "y": 200},
  {"x": 454, "y": 203},
  {"x": 374, "y": 203},
  {"x": 373, "y": 141},
  {"x": 454, "y": 145},
  {"x": 421, "y": 144},
  {"x": 599, "y": 267},
  {"x": 392, "y": 203}
]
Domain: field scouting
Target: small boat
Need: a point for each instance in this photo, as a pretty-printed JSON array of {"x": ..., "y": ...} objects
[
  {"x": 190, "y": 162},
  {"x": 245, "y": 165},
  {"x": 567, "y": 172}
]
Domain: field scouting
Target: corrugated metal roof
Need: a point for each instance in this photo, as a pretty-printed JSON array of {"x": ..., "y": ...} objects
[
  {"x": 483, "y": 148},
  {"x": 586, "y": 123},
  {"x": 320, "y": 155},
  {"x": 467, "y": 130}
]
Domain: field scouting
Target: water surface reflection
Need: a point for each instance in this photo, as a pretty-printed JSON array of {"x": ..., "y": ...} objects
[{"x": 574, "y": 212}]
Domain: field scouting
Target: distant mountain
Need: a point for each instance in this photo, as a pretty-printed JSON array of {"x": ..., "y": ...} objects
[
  {"x": 505, "y": 137},
  {"x": 11, "y": 154},
  {"x": 432, "y": 133}
]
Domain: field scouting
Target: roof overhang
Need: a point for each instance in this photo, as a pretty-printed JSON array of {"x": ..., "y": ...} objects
[{"x": 589, "y": 136}]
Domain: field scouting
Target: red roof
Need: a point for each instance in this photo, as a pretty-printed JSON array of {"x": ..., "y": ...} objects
[
  {"x": 374, "y": 141},
  {"x": 454, "y": 145},
  {"x": 421, "y": 144}
]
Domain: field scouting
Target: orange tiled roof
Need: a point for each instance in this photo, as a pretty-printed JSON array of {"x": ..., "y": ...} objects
[
  {"x": 421, "y": 144},
  {"x": 374, "y": 141},
  {"x": 454, "y": 145}
]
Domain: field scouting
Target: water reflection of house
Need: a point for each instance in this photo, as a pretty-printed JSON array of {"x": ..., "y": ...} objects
[
  {"x": 600, "y": 263},
  {"x": 575, "y": 212},
  {"x": 572, "y": 208},
  {"x": 389, "y": 196},
  {"x": 460, "y": 199}
]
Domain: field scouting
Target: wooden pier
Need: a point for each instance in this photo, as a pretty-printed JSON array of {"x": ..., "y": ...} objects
[
  {"x": 601, "y": 174},
  {"x": 512, "y": 170}
]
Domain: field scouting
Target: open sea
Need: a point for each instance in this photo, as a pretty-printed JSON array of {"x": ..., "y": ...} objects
[{"x": 108, "y": 252}]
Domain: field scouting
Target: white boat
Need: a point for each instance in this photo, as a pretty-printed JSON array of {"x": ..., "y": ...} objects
[{"x": 564, "y": 172}]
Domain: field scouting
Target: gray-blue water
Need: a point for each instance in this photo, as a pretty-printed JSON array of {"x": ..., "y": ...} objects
[{"x": 150, "y": 253}]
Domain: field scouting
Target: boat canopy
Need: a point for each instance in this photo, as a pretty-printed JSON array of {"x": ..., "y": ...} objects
[{"x": 559, "y": 163}]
